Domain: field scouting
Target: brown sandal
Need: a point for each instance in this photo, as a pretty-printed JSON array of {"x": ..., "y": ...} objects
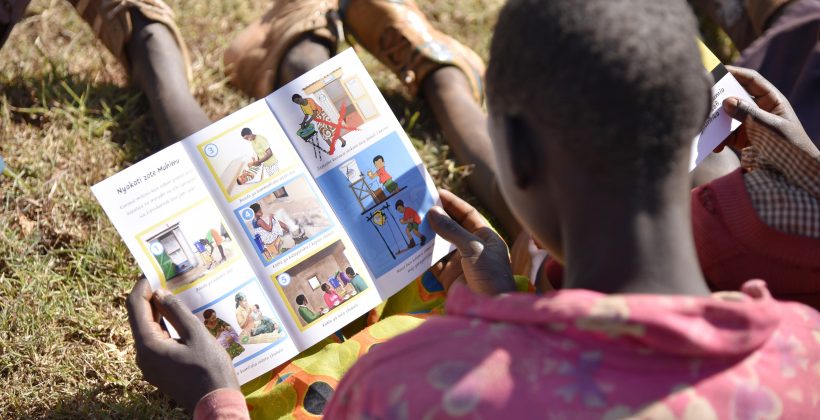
[
  {"x": 397, "y": 33},
  {"x": 111, "y": 23},
  {"x": 252, "y": 60}
]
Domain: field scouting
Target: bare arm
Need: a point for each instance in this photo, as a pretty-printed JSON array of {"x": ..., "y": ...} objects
[
  {"x": 266, "y": 156},
  {"x": 264, "y": 225}
]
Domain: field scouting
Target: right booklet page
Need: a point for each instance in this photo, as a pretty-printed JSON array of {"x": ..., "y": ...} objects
[{"x": 367, "y": 169}]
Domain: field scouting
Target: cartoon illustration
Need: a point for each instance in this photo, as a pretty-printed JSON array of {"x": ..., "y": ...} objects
[
  {"x": 332, "y": 299},
  {"x": 269, "y": 231},
  {"x": 256, "y": 327},
  {"x": 188, "y": 247},
  {"x": 329, "y": 109},
  {"x": 283, "y": 219},
  {"x": 370, "y": 198},
  {"x": 243, "y": 322},
  {"x": 319, "y": 284},
  {"x": 304, "y": 311},
  {"x": 223, "y": 332},
  {"x": 265, "y": 162},
  {"x": 384, "y": 177},
  {"x": 316, "y": 123},
  {"x": 411, "y": 219},
  {"x": 363, "y": 191},
  {"x": 356, "y": 280}
]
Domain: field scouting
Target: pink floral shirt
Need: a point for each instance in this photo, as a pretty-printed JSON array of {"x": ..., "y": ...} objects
[{"x": 582, "y": 354}]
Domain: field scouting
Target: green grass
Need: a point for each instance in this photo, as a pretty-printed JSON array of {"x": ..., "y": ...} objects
[{"x": 69, "y": 120}]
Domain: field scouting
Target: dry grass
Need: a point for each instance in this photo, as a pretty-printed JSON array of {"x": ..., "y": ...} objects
[{"x": 67, "y": 121}]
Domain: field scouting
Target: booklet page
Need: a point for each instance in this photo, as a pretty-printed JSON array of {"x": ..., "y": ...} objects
[
  {"x": 366, "y": 167},
  {"x": 177, "y": 234},
  {"x": 293, "y": 240}
]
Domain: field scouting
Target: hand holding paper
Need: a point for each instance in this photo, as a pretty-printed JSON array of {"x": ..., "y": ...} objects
[{"x": 768, "y": 108}]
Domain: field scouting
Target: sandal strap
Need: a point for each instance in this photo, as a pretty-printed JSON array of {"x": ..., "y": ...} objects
[
  {"x": 397, "y": 34},
  {"x": 111, "y": 23},
  {"x": 253, "y": 58}
]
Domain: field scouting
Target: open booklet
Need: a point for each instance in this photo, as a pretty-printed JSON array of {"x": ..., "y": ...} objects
[{"x": 286, "y": 220}]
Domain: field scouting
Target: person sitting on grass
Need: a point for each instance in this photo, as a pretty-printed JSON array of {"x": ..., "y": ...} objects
[
  {"x": 332, "y": 299},
  {"x": 305, "y": 312},
  {"x": 410, "y": 217},
  {"x": 356, "y": 280},
  {"x": 597, "y": 171}
]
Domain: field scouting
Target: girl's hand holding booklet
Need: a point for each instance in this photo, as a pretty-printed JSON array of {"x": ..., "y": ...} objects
[{"x": 286, "y": 220}]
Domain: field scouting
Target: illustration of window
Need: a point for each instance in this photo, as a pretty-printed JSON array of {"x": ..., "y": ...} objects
[
  {"x": 360, "y": 98},
  {"x": 335, "y": 93},
  {"x": 314, "y": 282}
]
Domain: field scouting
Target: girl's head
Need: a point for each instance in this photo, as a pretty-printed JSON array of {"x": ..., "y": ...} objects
[{"x": 325, "y": 287}]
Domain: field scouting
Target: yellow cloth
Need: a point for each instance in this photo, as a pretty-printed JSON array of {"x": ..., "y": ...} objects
[
  {"x": 260, "y": 147},
  {"x": 310, "y": 107}
]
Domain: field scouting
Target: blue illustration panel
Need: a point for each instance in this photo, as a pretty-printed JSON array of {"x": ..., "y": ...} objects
[{"x": 380, "y": 196}]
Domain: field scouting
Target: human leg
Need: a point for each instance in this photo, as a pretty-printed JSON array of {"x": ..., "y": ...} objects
[
  {"x": 158, "y": 70},
  {"x": 143, "y": 36},
  {"x": 289, "y": 39},
  {"x": 260, "y": 59},
  {"x": 447, "y": 74},
  {"x": 464, "y": 126}
]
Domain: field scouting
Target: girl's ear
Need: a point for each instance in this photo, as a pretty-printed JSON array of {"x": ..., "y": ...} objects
[{"x": 521, "y": 149}]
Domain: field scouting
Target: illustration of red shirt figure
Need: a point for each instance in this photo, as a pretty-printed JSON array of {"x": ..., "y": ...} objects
[
  {"x": 410, "y": 218},
  {"x": 332, "y": 298},
  {"x": 384, "y": 177}
]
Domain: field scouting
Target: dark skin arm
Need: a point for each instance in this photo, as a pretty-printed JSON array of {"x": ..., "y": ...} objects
[
  {"x": 185, "y": 369},
  {"x": 770, "y": 109}
]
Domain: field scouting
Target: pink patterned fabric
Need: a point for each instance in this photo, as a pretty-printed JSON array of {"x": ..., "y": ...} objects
[
  {"x": 581, "y": 354},
  {"x": 222, "y": 404}
]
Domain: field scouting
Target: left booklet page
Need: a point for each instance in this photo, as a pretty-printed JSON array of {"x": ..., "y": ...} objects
[{"x": 162, "y": 208}]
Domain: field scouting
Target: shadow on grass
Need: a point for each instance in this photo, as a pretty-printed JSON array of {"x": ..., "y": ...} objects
[
  {"x": 99, "y": 403},
  {"x": 93, "y": 111}
]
